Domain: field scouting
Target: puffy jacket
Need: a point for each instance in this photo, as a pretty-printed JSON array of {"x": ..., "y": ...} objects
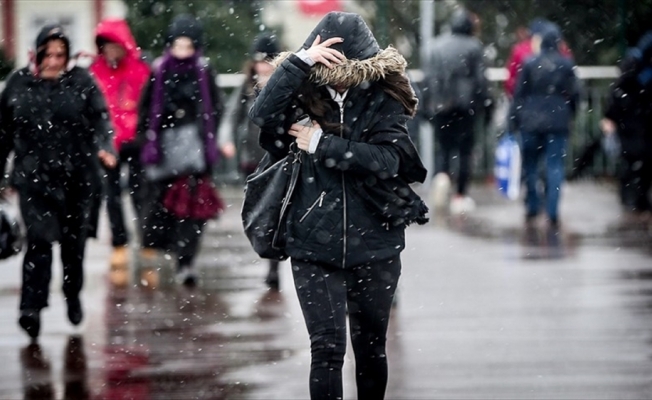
[
  {"x": 353, "y": 200},
  {"x": 122, "y": 83}
]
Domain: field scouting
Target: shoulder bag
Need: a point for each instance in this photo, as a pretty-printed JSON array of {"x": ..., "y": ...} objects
[{"x": 268, "y": 193}]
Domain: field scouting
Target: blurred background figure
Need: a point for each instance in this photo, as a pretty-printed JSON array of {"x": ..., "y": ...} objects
[
  {"x": 628, "y": 116},
  {"x": 121, "y": 76},
  {"x": 240, "y": 128},
  {"x": 182, "y": 92},
  {"x": 529, "y": 44},
  {"x": 544, "y": 104},
  {"x": 56, "y": 120},
  {"x": 457, "y": 91}
]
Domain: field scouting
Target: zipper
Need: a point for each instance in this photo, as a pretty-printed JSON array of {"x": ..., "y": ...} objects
[
  {"x": 318, "y": 202},
  {"x": 345, "y": 222}
]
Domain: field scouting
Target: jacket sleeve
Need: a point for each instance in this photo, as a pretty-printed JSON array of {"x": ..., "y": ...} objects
[
  {"x": 143, "y": 111},
  {"x": 381, "y": 160},
  {"x": 274, "y": 102},
  {"x": 573, "y": 93},
  {"x": 520, "y": 93},
  {"x": 217, "y": 97},
  {"x": 484, "y": 97},
  {"x": 98, "y": 115},
  {"x": 6, "y": 128}
]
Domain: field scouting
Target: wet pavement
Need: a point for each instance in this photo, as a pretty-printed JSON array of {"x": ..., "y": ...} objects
[{"x": 486, "y": 309}]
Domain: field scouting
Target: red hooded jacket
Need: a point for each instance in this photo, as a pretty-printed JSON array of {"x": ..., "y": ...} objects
[{"x": 122, "y": 84}]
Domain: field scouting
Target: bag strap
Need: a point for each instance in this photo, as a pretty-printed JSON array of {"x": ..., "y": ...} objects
[{"x": 295, "y": 154}]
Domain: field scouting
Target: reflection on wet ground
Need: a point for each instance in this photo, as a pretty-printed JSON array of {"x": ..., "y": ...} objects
[{"x": 485, "y": 310}]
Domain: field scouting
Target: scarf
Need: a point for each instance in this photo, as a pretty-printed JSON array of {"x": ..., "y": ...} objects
[{"x": 172, "y": 65}]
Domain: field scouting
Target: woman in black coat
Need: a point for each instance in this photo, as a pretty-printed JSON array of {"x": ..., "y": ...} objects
[
  {"x": 55, "y": 120},
  {"x": 346, "y": 223}
]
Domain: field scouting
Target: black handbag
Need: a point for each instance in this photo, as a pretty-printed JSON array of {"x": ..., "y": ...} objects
[
  {"x": 11, "y": 241},
  {"x": 268, "y": 193}
]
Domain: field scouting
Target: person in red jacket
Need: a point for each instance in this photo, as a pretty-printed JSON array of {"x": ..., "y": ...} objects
[{"x": 121, "y": 76}]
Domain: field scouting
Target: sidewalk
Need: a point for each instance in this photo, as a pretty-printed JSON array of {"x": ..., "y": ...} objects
[{"x": 589, "y": 210}]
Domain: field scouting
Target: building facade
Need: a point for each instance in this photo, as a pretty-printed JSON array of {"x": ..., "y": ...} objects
[{"x": 20, "y": 21}]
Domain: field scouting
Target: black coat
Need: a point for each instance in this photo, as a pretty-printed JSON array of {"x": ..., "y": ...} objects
[
  {"x": 338, "y": 213},
  {"x": 56, "y": 129},
  {"x": 546, "y": 94}
]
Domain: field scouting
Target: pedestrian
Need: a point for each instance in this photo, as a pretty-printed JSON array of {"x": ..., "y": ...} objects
[
  {"x": 347, "y": 218},
  {"x": 182, "y": 93},
  {"x": 457, "y": 92},
  {"x": 529, "y": 43},
  {"x": 121, "y": 75},
  {"x": 257, "y": 69},
  {"x": 544, "y": 104},
  {"x": 627, "y": 115},
  {"x": 54, "y": 118}
]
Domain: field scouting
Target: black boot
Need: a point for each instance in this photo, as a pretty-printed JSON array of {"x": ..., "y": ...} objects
[
  {"x": 30, "y": 321},
  {"x": 75, "y": 313}
]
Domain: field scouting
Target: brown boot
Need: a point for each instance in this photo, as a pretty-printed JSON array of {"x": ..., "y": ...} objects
[
  {"x": 149, "y": 276},
  {"x": 119, "y": 271}
]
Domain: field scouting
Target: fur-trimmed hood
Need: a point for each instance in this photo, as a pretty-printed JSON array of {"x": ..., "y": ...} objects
[{"x": 387, "y": 62}]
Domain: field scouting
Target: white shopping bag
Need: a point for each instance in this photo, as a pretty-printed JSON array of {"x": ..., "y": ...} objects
[{"x": 507, "y": 170}]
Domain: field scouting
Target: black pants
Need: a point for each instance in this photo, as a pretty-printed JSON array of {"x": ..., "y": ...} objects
[
  {"x": 164, "y": 231},
  {"x": 326, "y": 294},
  {"x": 130, "y": 156},
  {"x": 37, "y": 264},
  {"x": 636, "y": 181},
  {"x": 455, "y": 135}
]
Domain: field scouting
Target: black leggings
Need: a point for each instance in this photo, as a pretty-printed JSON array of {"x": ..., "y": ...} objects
[
  {"x": 326, "y": 294},
  {"x": 164, "y": 231}
]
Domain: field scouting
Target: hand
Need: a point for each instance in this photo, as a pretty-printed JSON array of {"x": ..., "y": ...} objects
[
  {"x": 107, "y": 159},
  {"x": 322, "y": 53},
  {"x": 607, "y": 126},
  {"x": 303, "y": 134},
  {"x": 228, "y": 150}
]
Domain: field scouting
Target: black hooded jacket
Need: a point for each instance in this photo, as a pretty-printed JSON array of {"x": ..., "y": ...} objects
[
  {"x": 55, "y": 128},
  {"x": 547, "y": 90},
  {"x": 353, "y": 199}
]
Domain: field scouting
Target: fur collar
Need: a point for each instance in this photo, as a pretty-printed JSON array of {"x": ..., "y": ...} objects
[{"x": 354, "y": 72}]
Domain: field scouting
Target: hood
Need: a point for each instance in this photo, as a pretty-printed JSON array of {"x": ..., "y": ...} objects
[
  {"x": 461, "y": 23},
  {"x": 265, "y": 46},
  {"x": 47, "y": 33},
  {"x": 188, "y": 26},
  {"x": 550, "y": 39},
  {"x": 538, "y": 26},
  {"x": 352, "y": 72},
  {"x": 359, "y": 42},
  {"x": 117, "y": 31}
]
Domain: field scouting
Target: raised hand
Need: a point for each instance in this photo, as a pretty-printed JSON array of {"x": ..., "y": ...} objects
[{"x": 322, "y": 53}]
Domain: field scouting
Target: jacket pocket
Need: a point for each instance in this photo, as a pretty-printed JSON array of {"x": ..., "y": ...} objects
[{"x": 317, "y": 203}]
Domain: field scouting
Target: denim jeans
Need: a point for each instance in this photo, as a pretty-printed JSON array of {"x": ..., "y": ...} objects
[
  {"x": 551, "y": 146},
  {"x": 326, "y": 294}
]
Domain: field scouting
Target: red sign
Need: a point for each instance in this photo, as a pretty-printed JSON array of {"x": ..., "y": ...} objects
[{"x": 318, "y": 7}]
